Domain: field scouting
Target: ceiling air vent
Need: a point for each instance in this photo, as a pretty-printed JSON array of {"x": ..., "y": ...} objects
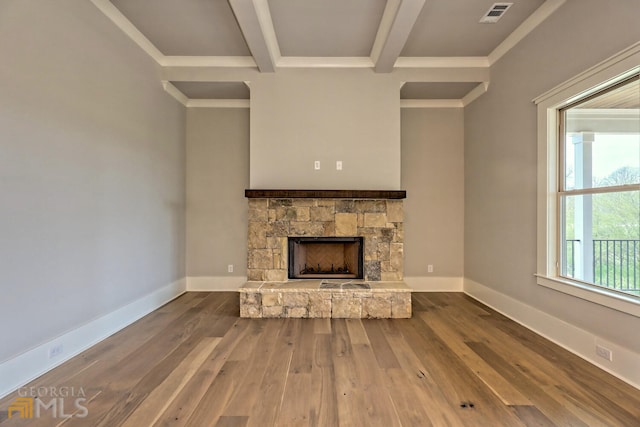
[{"x": 495, "y": 12}]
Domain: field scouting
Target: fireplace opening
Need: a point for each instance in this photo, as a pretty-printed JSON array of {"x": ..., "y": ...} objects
[{"x": 326, "y": 257}]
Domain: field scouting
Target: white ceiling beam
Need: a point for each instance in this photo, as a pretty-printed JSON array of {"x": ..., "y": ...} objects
[
  {"x": 209, "y": 61},
  {"x": 442, "y": 62},
  {"x": 244, "y": 74},
  {"x": 325, "y": 62},
  {"x": 208, "y": 74},
  {"x": 442, "y": 75},
  {"x": 254, "y": 19},
  {"x": 388, "y": 17},
  {"x": 175, "y": 92},
  {"x": 475, "y": 93},
  {"x": 121, "y": 21},
  {"x": 396, "y": 24}
]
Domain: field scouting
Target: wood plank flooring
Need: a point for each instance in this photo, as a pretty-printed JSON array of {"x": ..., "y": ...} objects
[{"x": 194, "y": 362}]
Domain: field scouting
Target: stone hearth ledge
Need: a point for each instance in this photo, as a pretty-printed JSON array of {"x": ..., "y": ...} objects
[{"x": 306, "y": 299}]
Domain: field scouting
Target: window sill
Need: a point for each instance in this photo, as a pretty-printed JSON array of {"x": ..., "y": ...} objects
[{"x": 604, "y": 297}]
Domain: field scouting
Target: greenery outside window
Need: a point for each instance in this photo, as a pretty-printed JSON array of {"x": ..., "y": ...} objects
[
  {"x": 589, "y": 184},
  {"x": 599, "y": 188}
]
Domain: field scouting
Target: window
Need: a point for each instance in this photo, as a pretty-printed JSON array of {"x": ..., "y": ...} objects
[
  {"x": 589, "y": 184},
  {"x": 599, "y": 188}
]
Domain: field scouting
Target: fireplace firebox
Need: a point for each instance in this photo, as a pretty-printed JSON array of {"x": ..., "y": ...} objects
[{"x": 326, "y": 257}]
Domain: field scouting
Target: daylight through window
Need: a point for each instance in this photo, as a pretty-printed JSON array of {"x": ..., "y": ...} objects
[{"x": 598, "y": 194}]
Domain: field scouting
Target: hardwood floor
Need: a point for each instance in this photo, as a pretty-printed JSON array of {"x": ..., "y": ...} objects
[{"x": 194, "y": 362}]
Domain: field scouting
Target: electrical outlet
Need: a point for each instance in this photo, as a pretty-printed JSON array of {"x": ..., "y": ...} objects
[
  {"x": 55, "y": 351},
  {"x": 339, "y": 165},
  {"x": 430, "y": 268},
  {"x": 230, "y": 268},
  {"x": 604, "y": 353},
  {"x": 316, "y": 165}
]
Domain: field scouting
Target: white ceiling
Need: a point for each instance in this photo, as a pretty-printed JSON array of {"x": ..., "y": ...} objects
[
  {"x": 326, "y": 27},
  {"x": 232, "y": 37}
]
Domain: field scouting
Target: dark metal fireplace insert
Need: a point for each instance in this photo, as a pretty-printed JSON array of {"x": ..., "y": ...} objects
[{"x": 326, "y": 257}]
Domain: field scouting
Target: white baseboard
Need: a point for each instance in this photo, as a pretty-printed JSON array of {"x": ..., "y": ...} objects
[
  {"x": 233, "y": 283},
  {"x": 434, "y": 284},
  {"x": 578, "y": 341},
  {"x": 215, "y": 283},
  {"x": 20, "y": 370}
]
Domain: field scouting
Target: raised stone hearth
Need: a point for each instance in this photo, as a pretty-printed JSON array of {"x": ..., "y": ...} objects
[{"x": 325, "y": 299}]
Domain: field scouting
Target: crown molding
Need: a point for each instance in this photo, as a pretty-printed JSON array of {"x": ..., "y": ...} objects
[
  {"x": 218, "y": 103},
  {"x": 173, "y": 91},
  {"x": 625, "y": 62},
  {"x": 475, "y": 93},
  {"x": 203, "y": 103},
  {"x": 443, "y": 75},
  {"x": 257, "y": 27},
  {"x": 431, "y": 103}
]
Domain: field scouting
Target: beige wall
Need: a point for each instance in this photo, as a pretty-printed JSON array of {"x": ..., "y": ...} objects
[
  {"x": 91, "y": 172},
  {"x": 433, "y": 175},
  {"x": 218, "y": 169},
  {"x": 217, "y": 175},
  {"x": 299, "y": 116},
  {"x": 500, "y": 159}
]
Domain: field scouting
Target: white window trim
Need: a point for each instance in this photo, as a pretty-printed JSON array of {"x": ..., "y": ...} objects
[{"x": 614, "y": 69}]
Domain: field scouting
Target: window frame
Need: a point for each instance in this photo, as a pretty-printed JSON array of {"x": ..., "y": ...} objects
[{"x": 616, "y": 69}]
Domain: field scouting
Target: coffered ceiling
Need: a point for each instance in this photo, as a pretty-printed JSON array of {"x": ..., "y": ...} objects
[{"x": 208, "y": 48}]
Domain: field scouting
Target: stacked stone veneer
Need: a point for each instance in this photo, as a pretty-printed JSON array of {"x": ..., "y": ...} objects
[
  {"x": 271, "y": 221},
  {"x": 305, "y": 299}
]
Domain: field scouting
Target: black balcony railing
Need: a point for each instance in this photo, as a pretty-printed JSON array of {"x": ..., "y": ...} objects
[{"x": 616, "y": 263}]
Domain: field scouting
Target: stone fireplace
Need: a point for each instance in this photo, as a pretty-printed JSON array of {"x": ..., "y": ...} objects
[
  {"x": 342, "y": 235},
  {"x": 273, "y": 220}
]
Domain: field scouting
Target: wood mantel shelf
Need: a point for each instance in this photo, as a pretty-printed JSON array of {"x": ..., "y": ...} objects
[{"x": 325, "y": 194}]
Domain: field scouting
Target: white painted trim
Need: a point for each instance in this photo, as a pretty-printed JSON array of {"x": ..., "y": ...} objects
[
  {"x": 208, "y": 61},
  {"x": 215, "y": 283},
  {"x": 268, "y": 31},
  {"x": 396, "y": 34},
  {"x": 611, "y": 299},
  {"x": 22, "y": 369},
  {"x": 528, "y": 25},
  {"x": 386, "y": 22},
  {"x": 218, "y": 103},
  {"x": 475, "y": 93},
  {"x": 325, "y": 62},
  {"x": 431, "y": 103},
  {"x": 616, "y": 68},
  {"x": 175, "y": 92},
  {"x": 203, "y": 103},
  {"x": 578, "y": 341},
  {"x": 209, "y": 74},
  {"x": 443, "y": 62},
  {"x": 128, "y": 28},
  {"x": 254, "y": 19},
  {"x": 434, "y": 284},
  {"x": 584, "y": 83}
]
